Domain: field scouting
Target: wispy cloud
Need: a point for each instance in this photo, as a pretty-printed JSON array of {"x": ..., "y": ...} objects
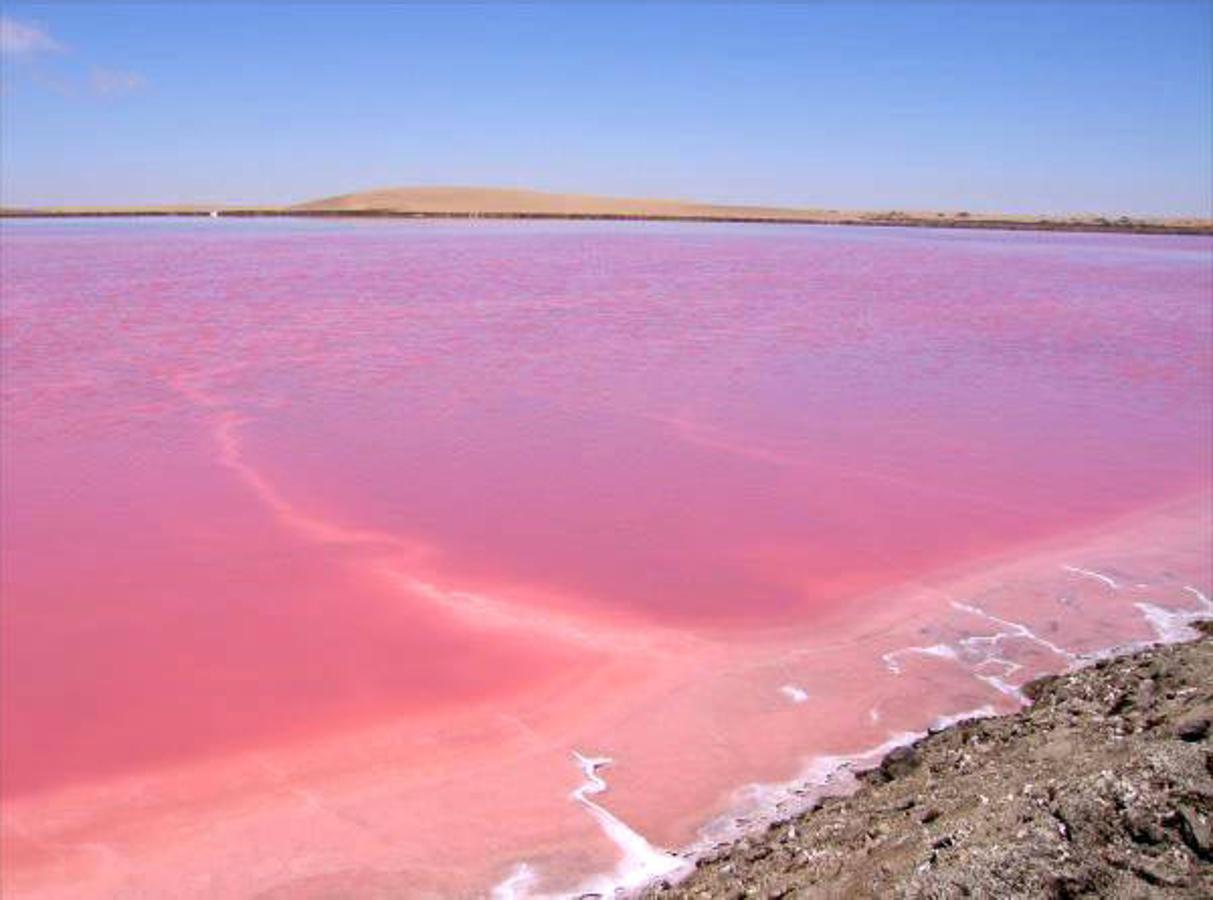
[
  {"x": 115, "y": 82},
  {"x": 25, "y": 39},
  {"x": 31, "y": 44}
]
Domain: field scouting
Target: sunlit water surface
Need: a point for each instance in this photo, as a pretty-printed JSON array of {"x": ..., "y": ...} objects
[{"x": 338, "y": 557}]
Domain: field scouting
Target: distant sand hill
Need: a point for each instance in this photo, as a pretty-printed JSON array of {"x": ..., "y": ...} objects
[{"x": 506, "y": 202}]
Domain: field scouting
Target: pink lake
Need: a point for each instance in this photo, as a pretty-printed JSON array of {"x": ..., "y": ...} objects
[{"x": 338, "y": 555}]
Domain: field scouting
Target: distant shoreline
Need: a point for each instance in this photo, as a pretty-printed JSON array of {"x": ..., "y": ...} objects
[
  {"x": 899, "y": 220},
  {"x": 462, "y": 202}
]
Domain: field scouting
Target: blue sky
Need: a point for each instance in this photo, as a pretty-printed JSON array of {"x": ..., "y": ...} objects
[{"x": 1076, "y": 106}]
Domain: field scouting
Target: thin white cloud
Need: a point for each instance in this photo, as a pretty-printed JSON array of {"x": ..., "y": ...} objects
[
  {"x": 115, "y": 82},
  {"x": 25, "y": 39}
]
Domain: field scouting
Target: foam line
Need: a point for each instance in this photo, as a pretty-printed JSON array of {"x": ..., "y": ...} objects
[
  {"x": 226, "y": 432},
  {"x": 640, "y": 861},
  {"x": 1169, "y": 626},
  {"x": 476, "y": 609},
  {"x": 758, "y": 804},
  {"x": 594, "y": 783},
  {"x": 794, "y": 693},
  {"x": 1201, "y": 598},
  {"x": 977, "y": 651},
  {"x": 1106, "y": 579},
  {"x": 1173, "y": 625},
  {"x": 943, "y": 651},
  {"x": 516, "y": 885},
  {"x": 1009, "y": 667},
  {"x": 1018, "y": 630}
]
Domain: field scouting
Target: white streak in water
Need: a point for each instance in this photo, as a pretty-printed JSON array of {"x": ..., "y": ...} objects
[
  {"x": 391, "y": 556},
  {"x": 1010, "y": 667},
  {"x": 1173, "y": 625},
  {"x": 978, "y": 651},
  {"x": 794, "y": 693},
  {"x": 641, "y": 862},
  {"x": 516, "y": 885},
  {"x": 1106, "y": 579},
  {"x": 1018, "y": 629},
  {"x": 943, "y": 651}
]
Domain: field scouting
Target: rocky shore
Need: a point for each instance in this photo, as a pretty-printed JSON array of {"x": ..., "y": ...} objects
[{"x": 1102, "y": 788}]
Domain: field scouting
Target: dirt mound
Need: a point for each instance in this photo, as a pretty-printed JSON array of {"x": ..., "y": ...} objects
[{"x": 506, "y": 201}]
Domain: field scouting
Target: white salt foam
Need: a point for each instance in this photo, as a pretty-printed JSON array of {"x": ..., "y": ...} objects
[
  {"x": 794, "y": 693},
  {"x": 1090, "y": 573},
  {"x": 943, "y": 651},
  {"x": 977, "y": 652},
  {"x": 1172, "y": 625},
  {"x": 516, "y": 885},
  {"x": 640, "y": 864}
]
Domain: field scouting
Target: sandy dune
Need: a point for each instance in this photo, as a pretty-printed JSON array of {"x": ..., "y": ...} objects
[{"x": 505, "y": 201}]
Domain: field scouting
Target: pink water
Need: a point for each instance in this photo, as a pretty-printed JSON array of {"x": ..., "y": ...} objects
[{"x": 326, "y": 545}]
